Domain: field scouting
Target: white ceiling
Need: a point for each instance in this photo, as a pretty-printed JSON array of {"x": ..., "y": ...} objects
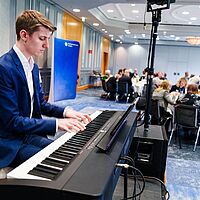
[{"x": 182, "y": 19}]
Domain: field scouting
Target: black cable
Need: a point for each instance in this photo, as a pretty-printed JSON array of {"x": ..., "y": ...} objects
[
  {"x": 141, "y": 191},
  {"x": 162, "y": 183}
]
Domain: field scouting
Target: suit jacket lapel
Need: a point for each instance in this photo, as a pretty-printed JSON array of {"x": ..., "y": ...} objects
[{"x": 18, "y": 65}]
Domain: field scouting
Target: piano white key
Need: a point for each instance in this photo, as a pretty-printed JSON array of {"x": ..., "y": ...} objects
[{"x": 22, "y": 170}]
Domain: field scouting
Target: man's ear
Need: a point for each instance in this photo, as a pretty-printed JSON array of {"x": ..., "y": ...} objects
[{"x": 23, "y": 35}]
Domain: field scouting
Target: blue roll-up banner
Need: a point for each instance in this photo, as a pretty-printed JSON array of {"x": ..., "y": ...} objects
[{"x": 64, "y": 69}]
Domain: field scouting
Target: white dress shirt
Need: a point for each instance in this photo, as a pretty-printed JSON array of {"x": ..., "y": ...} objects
[{"x": 28, "y": 67}]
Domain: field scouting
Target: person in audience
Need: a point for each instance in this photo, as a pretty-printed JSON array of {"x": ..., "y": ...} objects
[
  {"x": 194, "y": 80},
  {"x": 127, "y": 79},
  {"x": 187, "y": 75},
  {"x": 23, "y": 131},
  {"x": 180, "y": 86},
  {"x": 190, "y": 98},
  {"x": 144, "y": 74},
  {"x": 163, "y": 95}
]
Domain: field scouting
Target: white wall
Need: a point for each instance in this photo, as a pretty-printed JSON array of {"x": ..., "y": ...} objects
[
  {"x": 5, "y": 26},
  {"x": 174, "y": 60}
]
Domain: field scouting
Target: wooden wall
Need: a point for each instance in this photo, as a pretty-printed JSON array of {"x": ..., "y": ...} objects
[{"x": 105, "y": 54}]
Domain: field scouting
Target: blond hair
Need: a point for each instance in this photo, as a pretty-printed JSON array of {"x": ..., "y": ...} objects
[
  {"x": 30, "y": 21},
  {"x": 164, "y": 85}
]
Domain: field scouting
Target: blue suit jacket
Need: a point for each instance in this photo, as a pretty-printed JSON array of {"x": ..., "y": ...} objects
[{"x": 15, "y": 104}]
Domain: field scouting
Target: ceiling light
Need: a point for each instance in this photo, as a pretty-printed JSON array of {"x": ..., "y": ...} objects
[
  {"x": 135, "y": 11},
  {"x": 132, "y": 4},
  {"x": 193, "y": 40},
  {"x": 83, "y": 19},
  {"x": 95, "y": 24},
  {"x": 110, "y": 11},
  {"x": 103, "y": 29},
  {"x": 110, "y": 35},
  {"x": 117, "y": 40},
  {"x": 76, "y": 10},
  {"x": 193, "y": 18},
  {"x": 185, "y": 13}
]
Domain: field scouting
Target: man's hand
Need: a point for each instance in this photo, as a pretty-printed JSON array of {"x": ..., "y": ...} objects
[
  {"x": 70, "y": 125},
  {"x": 85, "y": 118}
]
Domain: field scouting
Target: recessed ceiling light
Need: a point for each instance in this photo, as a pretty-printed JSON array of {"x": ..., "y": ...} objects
[
  {"x": 110, "y": 35},
  {"x": 193, "y": 18},
  {"x": 76, "y": 10},
  {"x": 95, "y": 24},
  {"x": 103, "y": 29},
  {"x": 135, "y": 11},
  {"x": 117, "y": 40},
  {"x": 110, "y": 11},
  {"x": 83, "y": 19},
  {"x": 172, "y": 35},
  {"x": 185, "y": 13},
  {"x": 106, "y": 31}
]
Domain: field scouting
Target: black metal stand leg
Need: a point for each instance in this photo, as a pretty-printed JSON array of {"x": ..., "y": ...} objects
[{"x": 125, "y": 183}]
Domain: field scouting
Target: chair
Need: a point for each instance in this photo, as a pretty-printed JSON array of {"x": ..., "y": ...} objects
[
  {"x": 186, "y": 116},
  {"x": 110, "y": 88},
  {"x": 158, "y": 115},
  {"x": 123, "y": 91}
]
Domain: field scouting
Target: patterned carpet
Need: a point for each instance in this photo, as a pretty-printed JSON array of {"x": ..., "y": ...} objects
[{"x": 183, "y": 165}]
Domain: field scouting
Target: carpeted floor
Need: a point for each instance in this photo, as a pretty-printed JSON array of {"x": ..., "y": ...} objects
[{"x": 182, "y": 165}]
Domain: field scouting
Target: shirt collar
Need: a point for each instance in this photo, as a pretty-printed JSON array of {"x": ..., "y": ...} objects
[{"x": 23, "y": 59}]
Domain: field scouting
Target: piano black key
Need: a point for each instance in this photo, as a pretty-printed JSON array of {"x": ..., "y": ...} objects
[
  {"x": 58, "y": 155},
  {"x": 55, "y": 162},
  {"x": 75, "y": 143},
  {"x": 72, "y": 147},
  {"x": 64, "y": 149},
  {"x": 45, "y": 172}
]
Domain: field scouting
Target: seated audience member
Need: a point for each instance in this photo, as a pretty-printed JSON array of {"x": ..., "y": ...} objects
[
  {"x": 157, "y": 80},
  {"x": 163, "y": 95},
  {"x": 194, "y": 80},
  {"x": 126, "y": 78},
  {"x": 144, "y": 74},
  {"x": 180, "y": 86},
  {"x": 23, "y": 130},
  {"x": 187, "y": 76},
  {"x": 107, "y": 75},
  {"x": 190, "y": 98}
]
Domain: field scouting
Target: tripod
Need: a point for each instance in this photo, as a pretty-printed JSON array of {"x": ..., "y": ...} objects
[{"x": 156, "y": 18}]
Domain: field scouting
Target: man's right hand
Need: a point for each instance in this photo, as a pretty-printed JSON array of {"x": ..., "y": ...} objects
[{"x": 71, "y": 125}]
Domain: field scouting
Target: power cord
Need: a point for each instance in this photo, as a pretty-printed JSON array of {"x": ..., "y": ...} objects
[
  {"x": 136, "y": 178},
  {"x": 126, "y": 167},
  {"x": 166, "y": 195}
]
